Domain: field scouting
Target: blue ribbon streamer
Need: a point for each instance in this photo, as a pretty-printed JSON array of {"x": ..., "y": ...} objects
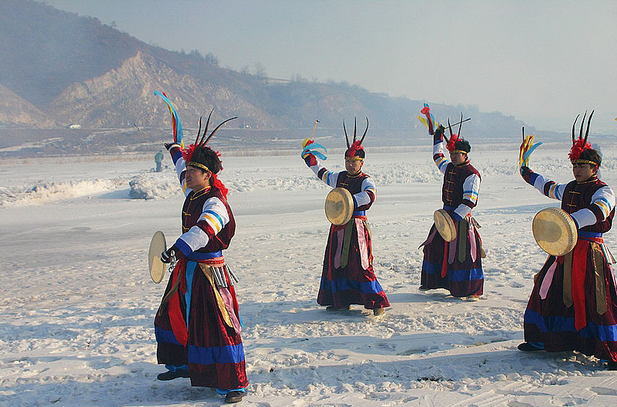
[
  {"x": 528, "y": 152},
  {"x": 178, "y": 129},
  {"x": 311, "y": 149}
]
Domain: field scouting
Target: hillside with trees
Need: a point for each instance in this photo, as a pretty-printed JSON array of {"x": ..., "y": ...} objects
[{"x": 62, "y": 70}]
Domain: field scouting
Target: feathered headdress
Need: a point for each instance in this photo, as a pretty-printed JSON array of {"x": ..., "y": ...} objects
[
  {"x": 355, "y": 150},
  {"x": 581, "y": 144},
  {"x": 193, "y": 155},
  {"x": 456, "y": 144}
]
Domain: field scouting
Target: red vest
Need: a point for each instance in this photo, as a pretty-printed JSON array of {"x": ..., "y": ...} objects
[
  {"x": 578, "y": 196},
  {"x": 192, "y": 210}
]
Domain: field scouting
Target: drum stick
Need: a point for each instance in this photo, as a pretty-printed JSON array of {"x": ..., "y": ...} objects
[
  {"x": 314, "y": 127},
  {"x": 462, "y": 121}
]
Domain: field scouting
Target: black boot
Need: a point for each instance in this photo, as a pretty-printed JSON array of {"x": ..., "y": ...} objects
[
  {"x": 169, "y": 375},
  {"x": 234, "y": 397},
  {"x": 333, "y": 308},
  {"x": 527, "y": 347}
]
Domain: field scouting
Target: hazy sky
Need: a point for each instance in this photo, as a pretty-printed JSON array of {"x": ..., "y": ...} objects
[{"x": 540, "y": 61}]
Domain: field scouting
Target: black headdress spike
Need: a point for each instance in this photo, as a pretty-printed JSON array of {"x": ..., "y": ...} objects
[
  {"x": 216, "y": 128},
  {"x": 366, "y": 130},
  {"x": 345, "y": 131},
  {"x": 588, "y": 124},
  {"x": 206, "y": 129},
  {"x": 198, "y": 131},
  {"x": 354, "y": 129},
  {"x": 460, "y": 126},
  {"x": 449, "y": 128},
  {"x": 573, "y": 126},
  {"x": 201, "y": 142},
  {"x": 580, "y": 135}
]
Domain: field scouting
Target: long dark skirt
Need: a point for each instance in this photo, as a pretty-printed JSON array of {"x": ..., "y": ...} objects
[
  {"x": 209, "y": 346},
  {"x": 348, "y": 276},
  {"x": 455, "y": 266},
  {"x": 551, "y": 322}
]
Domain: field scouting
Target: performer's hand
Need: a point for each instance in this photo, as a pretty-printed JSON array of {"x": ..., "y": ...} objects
[
  {"x": 438, "y": 135},
  {"x": 168, "y": 255},
  {"x": 525, "y": 171},
  {"x": 169, "y": 146},
  {"x": 307, "y": 141},
  {"x": 310, "y": 160},
  {"x": 171, "y": 254}
]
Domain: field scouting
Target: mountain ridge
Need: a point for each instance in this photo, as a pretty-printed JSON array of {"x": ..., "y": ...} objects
[{"x": 66, "y": 70}]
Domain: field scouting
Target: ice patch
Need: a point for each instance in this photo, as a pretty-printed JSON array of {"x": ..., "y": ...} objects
[
  {"x": 154, "y": 186},
  {"x": 43, "y": 192}
]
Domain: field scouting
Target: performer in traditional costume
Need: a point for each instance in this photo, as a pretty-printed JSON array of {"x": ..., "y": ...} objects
[
  {"x": 573, "y": 305},
  {"x": 348, "y": 276},
  {"x": 455, "y": 265},
  {"x": 197, "y": 325}
]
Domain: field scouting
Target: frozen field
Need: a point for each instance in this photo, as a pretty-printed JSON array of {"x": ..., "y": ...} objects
[{"x": 78, "y": 303}]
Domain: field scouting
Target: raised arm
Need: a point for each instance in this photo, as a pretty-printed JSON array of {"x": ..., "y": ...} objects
[
  {"x": 439, "y": 150},
  {"x": 329, "y": 177},
  {"x": 545, "y": 186},
  {"x": 180, "y": 165}
]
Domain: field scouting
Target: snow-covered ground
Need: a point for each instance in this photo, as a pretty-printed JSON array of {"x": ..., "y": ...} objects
[{"x": 78, "y": 304}]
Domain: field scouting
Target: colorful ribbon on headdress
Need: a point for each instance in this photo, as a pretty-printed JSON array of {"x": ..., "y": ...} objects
[
  {"x": 175, "y": 120},
  {"x": 428, "y": 120},
  {"x": 527, "y": 147}
]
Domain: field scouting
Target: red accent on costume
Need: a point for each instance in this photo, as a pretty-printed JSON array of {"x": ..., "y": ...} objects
[
  {"x": 351, "y": 151},
  {"x": 426, "y": 111},
  {"x": 216, "y": 182},
  {"x": 187, "y": 153},
  {"x": 176, "y": 317},
  {"x": 452, "y": 142},
  {"x": 577, "y": 149},
  {"x": 579, "y": 266},
  {"x": 444, "y": 265}
]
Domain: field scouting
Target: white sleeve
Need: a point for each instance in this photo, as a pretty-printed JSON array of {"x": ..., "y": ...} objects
[
  {"x": 602, "y": 203},
  {"x": 213, "y": 219},
  {"x": 471, "y": 190},
  {"x": 368, "y": 193},
  {"x": 439, "y": 156}
]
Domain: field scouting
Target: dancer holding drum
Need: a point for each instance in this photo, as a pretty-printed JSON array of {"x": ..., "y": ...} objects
[
  {"x": 348, "y": 276},
  {"x": 573, "y": 305},
  {"x": 453, "y": 250}
]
